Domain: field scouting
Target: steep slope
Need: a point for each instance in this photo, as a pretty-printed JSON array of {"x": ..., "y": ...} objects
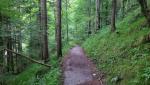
[{"x": 123, "y": 56}]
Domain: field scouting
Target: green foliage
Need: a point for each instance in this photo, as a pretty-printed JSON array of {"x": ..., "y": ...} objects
[
  {"x": 35, "y": 75},
  {"x": 146, "y": 74},
  {"x": 122, "y": 54}
]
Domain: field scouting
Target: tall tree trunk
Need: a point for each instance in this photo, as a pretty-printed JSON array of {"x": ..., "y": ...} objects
[
  {"x": 113, "y": 18},
  {"x": 20, "y": 65},
  {"x": 67, "y": 20},
  {"x": 58, "y": 27},
  {"x": 145, "y": 10},
  {"x": 107, "y": 22},
  {"x": 44, "y": 27},
  {"x": 97, "y": 14},
  {"x": 9, "y": 46},
  {"x": 55, "y": 10},
  {"x": 123, "y": 8},
  {"x": 89, "y": 21},
  {"x": 16, "y": 50},
  {"x": 40, "y": 32}
]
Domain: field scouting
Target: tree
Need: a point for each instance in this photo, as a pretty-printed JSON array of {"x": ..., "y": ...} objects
[
  {"x": 67, "y": 26},
  {"x": 97, "y": 14},
  {"x": 44, "y": 27},
  {"x": 89, "y": 15},
  {"x": 8, "y": 41},
  {"x": 123, "y": 8},
  {"x": 145, "y": 10},
  {"x": 58, "y": 28},
  {"x": 113, "y": 17}
]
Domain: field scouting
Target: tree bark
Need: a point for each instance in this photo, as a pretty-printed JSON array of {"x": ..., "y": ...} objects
[
  {"x": 8, "y": 45},
  {"x": 123, "y": 8},
  {"x": 58, "y": 27},
  {"x": 89, "y": 21},
  {"x": 40, "y": 32},
  {"x": 44, "y": 27},
  {"x": 113, "y": 18},
  {"x": 55, "y": 10},
  {"x": 67, "y": 20},
  {"x": 97, "y": 14},
  {"x": 16, "y": 50},
  {"x": 10, "y": 56}
]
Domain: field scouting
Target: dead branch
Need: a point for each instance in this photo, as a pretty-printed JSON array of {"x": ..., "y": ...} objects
[{"x": 28, "y": 58}]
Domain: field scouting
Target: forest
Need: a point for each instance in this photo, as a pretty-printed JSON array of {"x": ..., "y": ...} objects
[{"x": 74, "y": 42}]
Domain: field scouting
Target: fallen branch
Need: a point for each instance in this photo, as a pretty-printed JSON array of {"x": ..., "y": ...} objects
[{"x": 28, "y": 58}]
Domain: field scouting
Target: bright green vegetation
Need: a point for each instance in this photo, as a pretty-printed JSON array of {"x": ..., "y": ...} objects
[
  {"x": 36, "y": 75},
  {"x": 122, "y": 55}
]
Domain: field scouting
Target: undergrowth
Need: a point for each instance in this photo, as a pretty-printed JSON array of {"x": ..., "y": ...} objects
[
  {"x": 122, "y": 56},
  {"x": 36, "y": 74}
]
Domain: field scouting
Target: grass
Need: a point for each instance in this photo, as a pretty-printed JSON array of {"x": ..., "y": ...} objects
[{"x": 122, "y": 55}]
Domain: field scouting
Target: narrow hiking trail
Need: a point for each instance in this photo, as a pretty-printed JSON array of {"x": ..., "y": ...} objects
[{"x": 78, "y": 69}]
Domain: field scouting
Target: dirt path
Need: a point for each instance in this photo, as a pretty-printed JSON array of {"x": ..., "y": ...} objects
[{"x": 78, "y": 69}]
